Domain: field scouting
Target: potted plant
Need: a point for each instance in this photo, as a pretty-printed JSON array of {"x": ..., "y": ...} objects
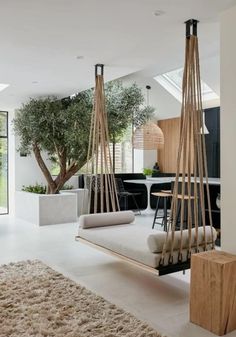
[
  {"x": 43, "y": 126},
  {"x": 34, "y": 205},
  {"x": 147, "y": 172},
  {"x": 60, "y": 129}
]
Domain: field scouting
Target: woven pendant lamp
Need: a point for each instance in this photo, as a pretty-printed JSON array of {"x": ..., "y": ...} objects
[{"x": 148, "y": 136}]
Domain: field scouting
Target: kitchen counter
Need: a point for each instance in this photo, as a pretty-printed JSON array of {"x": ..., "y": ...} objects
[{"x": 162, "y": 180}]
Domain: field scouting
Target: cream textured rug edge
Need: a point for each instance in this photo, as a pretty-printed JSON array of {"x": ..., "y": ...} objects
[{"x": 37, "y": 301}]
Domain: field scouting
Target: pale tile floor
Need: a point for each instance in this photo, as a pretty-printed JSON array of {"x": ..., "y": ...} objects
[{"x": 160, "y": 301}]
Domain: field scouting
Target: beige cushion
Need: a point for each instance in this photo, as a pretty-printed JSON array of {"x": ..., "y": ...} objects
[
  {"x": 106, "y": 219},
  {"x": 129, "y": 241},
  {"x": 156, "y": 240}
]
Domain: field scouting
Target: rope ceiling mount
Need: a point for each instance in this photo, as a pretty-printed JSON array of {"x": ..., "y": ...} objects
[{"x": 191, "y": 27}]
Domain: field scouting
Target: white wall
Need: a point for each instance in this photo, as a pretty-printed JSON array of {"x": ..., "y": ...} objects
[
  {"x": 228, "y": 130},
  {"x": 165, "y": 104},
  {"x": 27, "y": 171},
  {"x": 150, "y": 158},
  {"x": 138, "y": 161}
]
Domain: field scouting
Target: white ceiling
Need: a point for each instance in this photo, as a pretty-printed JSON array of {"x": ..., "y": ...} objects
[{"x": 40, "y": 40}]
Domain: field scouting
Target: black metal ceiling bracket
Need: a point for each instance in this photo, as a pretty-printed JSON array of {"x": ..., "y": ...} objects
[
  {"x": 99, "y": 69},
  {"x": 191, "y": 27}
]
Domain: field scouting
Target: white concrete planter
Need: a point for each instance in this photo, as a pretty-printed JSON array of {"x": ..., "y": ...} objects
[
  {"x": 46, "y": 209},
  {"x": 82, "y": 199}
]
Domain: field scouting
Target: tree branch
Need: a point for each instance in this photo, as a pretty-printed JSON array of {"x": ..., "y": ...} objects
[{"x": 43, "y": 167}]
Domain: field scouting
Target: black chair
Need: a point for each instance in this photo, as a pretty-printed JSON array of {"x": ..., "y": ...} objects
[{"x": 123, "y": 194}]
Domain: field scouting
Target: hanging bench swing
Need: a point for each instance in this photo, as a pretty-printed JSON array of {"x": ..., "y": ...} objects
[{"x": 187, "y": 232}]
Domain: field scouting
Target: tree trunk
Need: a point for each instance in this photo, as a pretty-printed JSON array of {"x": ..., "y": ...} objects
[
  {"x": 61, "y": 179},
  {"x": 44, "y": 169},
  {"x": 65, "y": 174}
]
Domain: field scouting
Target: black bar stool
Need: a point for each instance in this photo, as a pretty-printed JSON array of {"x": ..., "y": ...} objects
[
  {"x": 186, "y": 198},
  {"x": 165, "y": 195}
]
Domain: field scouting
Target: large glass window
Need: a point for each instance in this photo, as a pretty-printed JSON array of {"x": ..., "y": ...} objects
[
  {"x": 122, "y": 158},
  {"x": 3, "y": 162}
]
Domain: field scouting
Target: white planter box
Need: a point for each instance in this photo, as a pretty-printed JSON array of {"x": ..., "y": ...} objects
[
  {"x": 46, "y": 209},
  {"x": 82, "y": 199}
]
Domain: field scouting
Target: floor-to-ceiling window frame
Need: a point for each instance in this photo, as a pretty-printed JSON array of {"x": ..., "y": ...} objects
[{"x": 4, "y": 197}]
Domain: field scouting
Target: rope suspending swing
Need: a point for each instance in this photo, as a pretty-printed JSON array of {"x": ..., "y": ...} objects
[
  {"x": 187, "y": 230},
  {"x": 100, "y": 181},
  {"x": 191, "y": 180}
]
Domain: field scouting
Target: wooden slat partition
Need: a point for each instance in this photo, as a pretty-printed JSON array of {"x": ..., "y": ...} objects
[{"x": 167, "y": 157}]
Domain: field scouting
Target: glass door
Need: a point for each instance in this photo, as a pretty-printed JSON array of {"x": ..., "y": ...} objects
[{"x": 3, "y": 162}]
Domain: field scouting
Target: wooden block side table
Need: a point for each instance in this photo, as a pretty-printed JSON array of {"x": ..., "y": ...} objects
[{"x": 213, "y": 291}]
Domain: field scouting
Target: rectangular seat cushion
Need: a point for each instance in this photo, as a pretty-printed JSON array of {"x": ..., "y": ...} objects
[
  {"x": 129, "y": 240},
  {"x": 116, "y": 232}
]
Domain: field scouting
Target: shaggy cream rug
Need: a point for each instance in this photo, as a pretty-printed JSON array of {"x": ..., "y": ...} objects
[{"x": 37, "y": 301}]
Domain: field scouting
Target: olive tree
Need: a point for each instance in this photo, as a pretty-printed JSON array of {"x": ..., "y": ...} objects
[
  {"x": 61, "y": 127},
  {"x": 57, "y": 128}
]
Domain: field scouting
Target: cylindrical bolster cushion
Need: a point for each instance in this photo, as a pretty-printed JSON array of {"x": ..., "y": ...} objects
[
  {"x": 156, "y": 241},
  {"x": 106, "y": 219}
]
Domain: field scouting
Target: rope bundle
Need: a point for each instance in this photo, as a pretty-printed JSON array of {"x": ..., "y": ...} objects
[
  {"x": 191, "y": 161},
  {"x": 101, "y": 182}
]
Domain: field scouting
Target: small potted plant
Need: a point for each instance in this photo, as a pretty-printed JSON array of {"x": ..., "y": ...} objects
[{"x": 147, "y": 172}]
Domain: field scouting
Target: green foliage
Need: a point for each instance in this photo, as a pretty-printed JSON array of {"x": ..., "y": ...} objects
[
  {"x": 42, "y": 189},
  {"x": 3, "y": 190},
  {"x": 143, "y": 115},
  {"x": 38, "y": 122},
  {"x": 147, "y": 171},
  {"x": 67, "y": 187},
  {"x": 125, "y": 105},
  {"x": 77, "y": 128},
  {"x": 61, "y": 127},
  {"x": 37, "y": 188},
  {"x": 53, "y": 127}
]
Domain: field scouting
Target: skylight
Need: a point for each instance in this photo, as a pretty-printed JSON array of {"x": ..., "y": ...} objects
[
  {"x": 3, "y": 86},
  {"x": 172, "y": 82}
]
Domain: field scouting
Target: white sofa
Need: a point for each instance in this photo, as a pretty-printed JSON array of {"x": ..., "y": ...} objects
[{"x": 118, "y": 233}]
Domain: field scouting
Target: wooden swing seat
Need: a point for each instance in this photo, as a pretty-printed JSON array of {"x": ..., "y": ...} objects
[
  {"x": 134, "y": 243},
  {"x": 159, "y": 271}
]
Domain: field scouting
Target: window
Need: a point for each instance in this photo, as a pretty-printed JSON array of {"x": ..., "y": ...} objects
[
  {"x": 123, "y": 157},
  {"x": 172, "y": 82},
  {"x": 3, "y": 162},
  {"x": 123, "y": 153}
]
